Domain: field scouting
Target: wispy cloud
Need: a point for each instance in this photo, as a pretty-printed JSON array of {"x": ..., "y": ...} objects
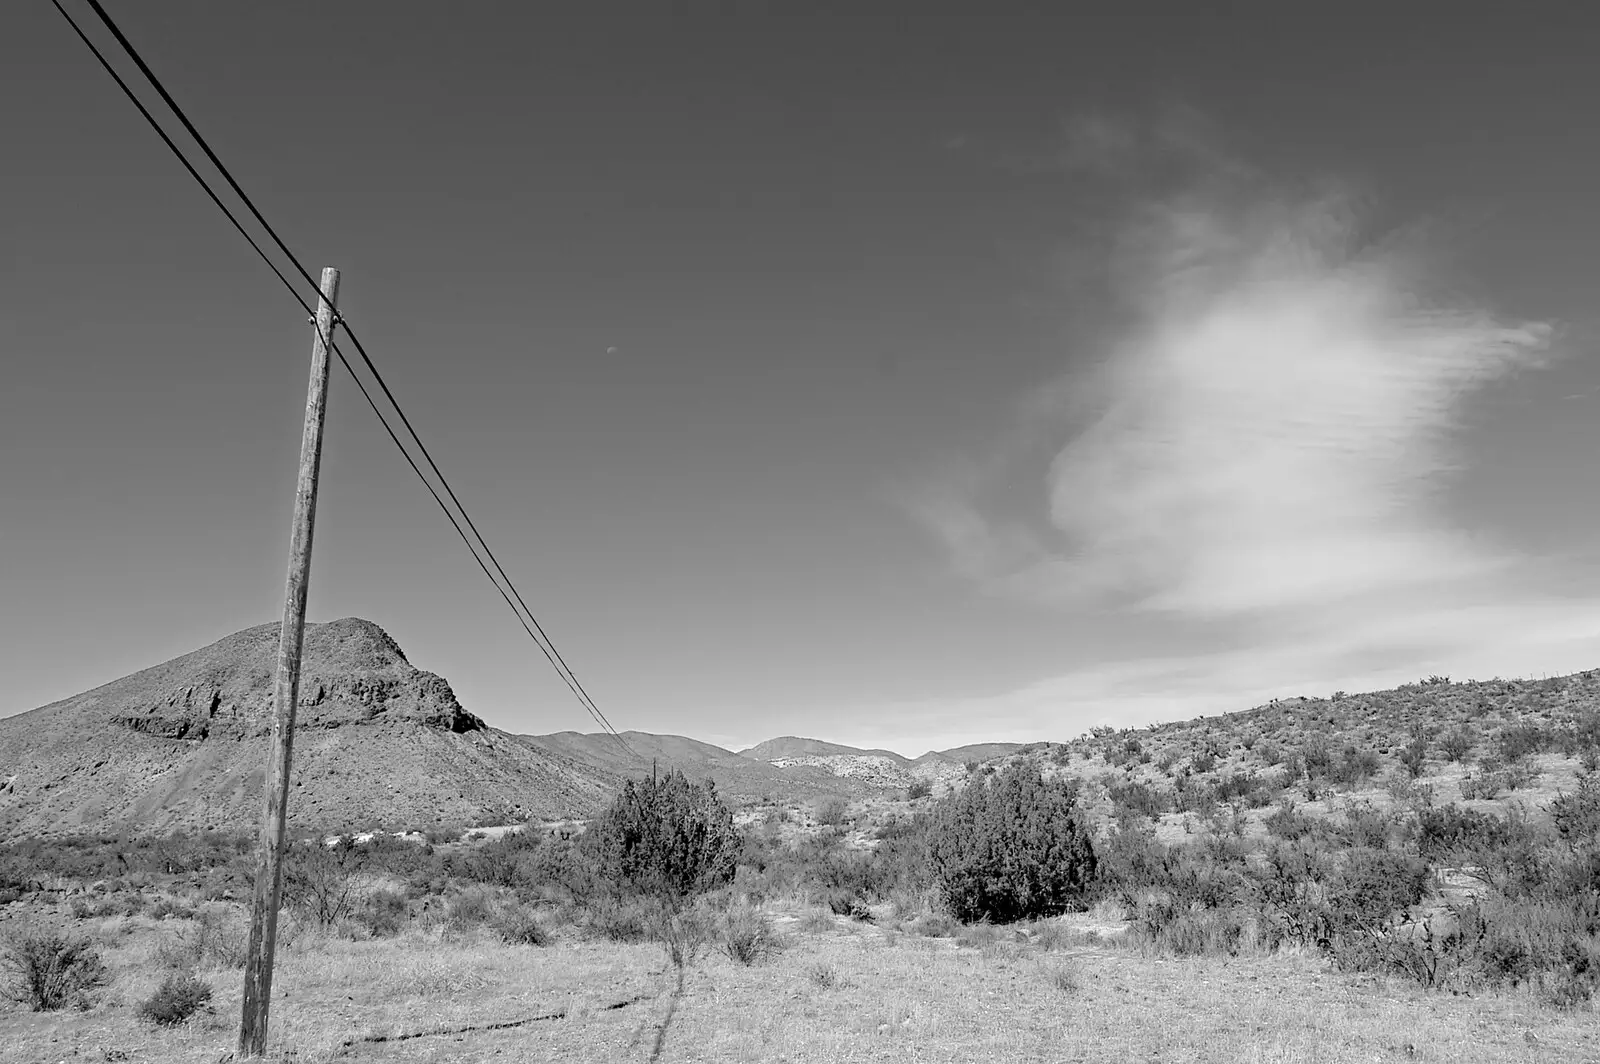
[{"x": 1263, "y": 438}]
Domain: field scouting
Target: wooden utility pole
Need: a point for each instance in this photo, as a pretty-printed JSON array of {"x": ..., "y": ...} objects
[{"x": 269, "y": 851}]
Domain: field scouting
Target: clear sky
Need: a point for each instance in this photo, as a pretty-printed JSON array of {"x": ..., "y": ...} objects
[{"x": 900, "y": 381}]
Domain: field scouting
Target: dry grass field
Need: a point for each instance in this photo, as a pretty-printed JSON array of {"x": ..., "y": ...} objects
[{"x": 842, "y": 990}]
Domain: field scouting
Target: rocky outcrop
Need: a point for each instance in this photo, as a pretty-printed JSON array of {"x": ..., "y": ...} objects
[
  {"x": 351, "y": 673},
  {"x": 183, "y": 744}
]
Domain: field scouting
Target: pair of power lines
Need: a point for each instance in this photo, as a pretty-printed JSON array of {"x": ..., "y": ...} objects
[{"x": 469, "y": 533}]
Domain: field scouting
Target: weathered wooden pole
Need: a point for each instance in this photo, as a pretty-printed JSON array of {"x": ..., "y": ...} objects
[{"x": 269, "y": 850}]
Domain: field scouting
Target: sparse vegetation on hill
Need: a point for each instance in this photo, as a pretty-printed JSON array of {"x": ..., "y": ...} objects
[{"x": 1353, "y": 830}]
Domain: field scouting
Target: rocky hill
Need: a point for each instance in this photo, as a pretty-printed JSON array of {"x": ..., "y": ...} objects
[
  {"x": 184, "y": 745},
  {"x": 876, "y": 769}
]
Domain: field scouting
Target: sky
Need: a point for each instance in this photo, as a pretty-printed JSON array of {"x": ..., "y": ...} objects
[{"x": 894, "y": 381}]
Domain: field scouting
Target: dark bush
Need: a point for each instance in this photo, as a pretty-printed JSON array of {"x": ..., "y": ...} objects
[
  {"x": 384, "y": 913},
  {"x": 1415, "y": 754},
  {"x": 180, "y": 996},
  {"x": 1517, "y": 741},
  {"x": 471, "y": 908},
  {"x": 1011, "y": 847},
  {"x": 518, "y": 926},
  {"x": 1356, "y": 766},
  {"x": 1457, "y": 743},
  {"x": 1317, "y": 758},
  {"x": 52, "y": 969},
  {"x": 1577, "y": 815},
  {"x": 1451, "y": 833},
  {"x": 1287, "y": 822},
  {"x": 665, "y": 837},
  {"x": 1373, "y": 884},
  {"x": 833, "y": 813},
  {"x": 1139, "y": 799}
]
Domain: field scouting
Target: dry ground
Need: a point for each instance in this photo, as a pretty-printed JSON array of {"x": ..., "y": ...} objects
[{"x": 841, "y": 992}]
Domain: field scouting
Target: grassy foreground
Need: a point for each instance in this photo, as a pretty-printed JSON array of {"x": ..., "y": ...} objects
[{"x": 841, "y": 991}]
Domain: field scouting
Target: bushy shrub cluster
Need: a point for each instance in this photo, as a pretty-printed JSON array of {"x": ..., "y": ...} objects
[
  {"x": 665, "y": 837},
  {"x": 51, "y": 969},
  {"x": 179, "y": 996},
  {"x": 1353, "y": 886},
  {"x": 1011, "y": 847}
]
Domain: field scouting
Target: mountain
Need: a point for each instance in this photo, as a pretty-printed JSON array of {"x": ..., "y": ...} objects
[
  {"x": 871, "y": 769},
  {"x": 184, "y": 745},
  {"x": 786, "y": 746},
  {"x": 737, "y": 777}
]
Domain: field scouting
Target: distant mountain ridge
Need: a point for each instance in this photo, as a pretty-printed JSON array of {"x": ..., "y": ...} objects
[
  {"x": 880, "y": 769},
  {"x": 794, "y": 746},
  {"x": 736, "y": 776},
  {"x": 380, "y": 743}
]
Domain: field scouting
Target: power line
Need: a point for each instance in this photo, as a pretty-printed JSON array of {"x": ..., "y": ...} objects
[
  {"x": 542, "y": 640},
  {"x": 557, "y": 661}
]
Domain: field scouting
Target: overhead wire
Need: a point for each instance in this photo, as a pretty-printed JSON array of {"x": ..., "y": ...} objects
[{"x": 525, "y": 616}]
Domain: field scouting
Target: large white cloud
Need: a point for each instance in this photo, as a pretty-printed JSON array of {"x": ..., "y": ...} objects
[{"x": 1262, "y": 441}]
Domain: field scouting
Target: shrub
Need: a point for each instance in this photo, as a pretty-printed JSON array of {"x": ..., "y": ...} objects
[
  {"x": 1010, "y": 847},
  {"x": 683, "y": 932},
  {"x": 1518, "y": 741},
  {"x": 1356, "y": 766},
  {"x": 222, "y": 938},
  {"x": 1577, "y": 815},
  {"x": 935, "y": 925},
  {"x": 833, "y": 813},
  {"x": 471, "y": 908},
  {"x": 1372, "y": 884},
  {"x": 1450, "y": 832},
  {"x": 52, "y": 969},
  {"x": 815, "y": 921},
  {"x": 1415, "y": 755},
  {"x": 518, "y": 926},
  {"x": 616, "y": 920},
  {"x": 1317, "y": 758},
  {"x": 384, "y": 913},
  {"x": 180, "y": 996},
  {"x": 320, "y": 880},
  {"x": 748, "y": 934},
  {"x": 823, "y": 975},
  {"x": 847, "y": 903},
  {"x": 666, "y": 838},
  {"x": 1457, "y": 743},
  {"x": 1167, "y": 927},
  {"x": 919, "y": 789}
]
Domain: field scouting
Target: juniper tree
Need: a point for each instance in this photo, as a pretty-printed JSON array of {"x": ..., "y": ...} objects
[
  {"x": 1011, "y": 846},
  {"x": 666, "y": 838}
]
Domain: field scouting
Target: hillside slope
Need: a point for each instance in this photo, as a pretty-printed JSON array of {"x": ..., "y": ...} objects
[
  {"x": 1490, "y": 744},
  {"x": 184, "y": 745},
  {"x": 737, "y": 777}
]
